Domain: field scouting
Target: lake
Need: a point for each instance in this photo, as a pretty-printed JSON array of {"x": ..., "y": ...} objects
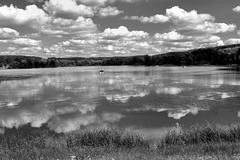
[{"x": 150, "y": 100}]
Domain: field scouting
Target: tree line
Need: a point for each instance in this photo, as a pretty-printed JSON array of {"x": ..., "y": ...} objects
[{"x": 223, "y": 55}]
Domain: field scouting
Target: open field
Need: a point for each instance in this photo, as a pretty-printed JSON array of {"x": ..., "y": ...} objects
[{"x": 210, "y": 141}]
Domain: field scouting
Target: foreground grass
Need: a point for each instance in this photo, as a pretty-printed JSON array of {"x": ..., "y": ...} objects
[{"x": 197, "y": 142}]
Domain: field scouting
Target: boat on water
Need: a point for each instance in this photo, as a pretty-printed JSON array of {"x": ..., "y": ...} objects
[{"x": 101, "y": 70}]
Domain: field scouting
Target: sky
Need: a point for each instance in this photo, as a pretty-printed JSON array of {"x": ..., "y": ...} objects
[{"x": 99, "y": 28}]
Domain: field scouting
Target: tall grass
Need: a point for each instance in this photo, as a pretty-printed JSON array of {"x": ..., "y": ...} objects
[
  {"x": 197, "y": 142},
  {"x": 117, "y": 138},
  {"x": 202, "y": 134},
  {"x": 87, "y": 143}
]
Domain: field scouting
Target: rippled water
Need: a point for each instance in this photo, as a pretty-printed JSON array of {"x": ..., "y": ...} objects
[{"x": 146, "y": 99}]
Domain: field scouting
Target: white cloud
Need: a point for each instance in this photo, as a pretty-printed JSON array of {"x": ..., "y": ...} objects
[
  {"x": 79, "y": 42},
  {"x": 61, "y": 27},
  {"x": 19, "y": 43},
  {"x": 122, "y": 31},
  {"x": 128, "y": 1},
  {"x": 32, "y": 16},
  {"x": 207, "y": 39},
  {"x": 173, "y": 41},
  {"x": 190, "y": 30},
  {"x": 67, "y": 9},
  {"x": 181, "y": 17},
  {"x": 6, "y": 33},
  {"x": 153, "y": 19},
  {"x": 109, "y": 12},
  {"x": 236, "y": 9},
  {"x": 232, "y": 41},
  {"x": 213, "y": 28},
  {"x": 34, "y": 1},
  {"x": 196, "y": 23},
  {"x": 181, "y": 45},
  {"x": 104, "y": 2},
  {"x": 96, "y": 2},
  {"x": 26, "y": 42},
  {"x": 170, "y": 36},
  {"x": 80, "y": 23},
  {"x": 188, "y": 22}
]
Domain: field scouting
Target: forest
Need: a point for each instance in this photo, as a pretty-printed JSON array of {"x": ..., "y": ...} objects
[{"x": 221, "y": 55}]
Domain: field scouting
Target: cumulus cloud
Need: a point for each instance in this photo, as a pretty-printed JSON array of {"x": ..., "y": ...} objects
[
  {"x": 6, "y": 33},
  {"x": 104, "y": 2},
  {"x": 174, "y": 41},
  {"x": 122, "y": 31},
  {"x": 109, "y": 12},
  {"x": 212, "y": 28},
  {"x": 153, "y": 19},
  {"x": 61, "y": 27},
  {"x": 196, "y": 23},
  {"x": 79, "y": 42},
  {"x": 26, "y": 42},
  {"x": 185, "y": 21},
  {"x": 67, "y": 9},
  {"x": 119, "y": 41},
  {"x": 232, "y": 41},
  {"x": 190, "y": 30},
  {"x": 208, "y": 41},
  {"x": 96, "y": 2},
  {"x": 236, "y": 9},
  {"x": 32, "y": 16},
  {"x": 22, "y": 43},
  {"x": 181, "y": 17},
  {"x": 170, "y": 36},
  {"x": 34, "y": 1}
]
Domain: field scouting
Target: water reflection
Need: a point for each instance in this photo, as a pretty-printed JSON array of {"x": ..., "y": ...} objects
[{"x": 67, "y": 99}]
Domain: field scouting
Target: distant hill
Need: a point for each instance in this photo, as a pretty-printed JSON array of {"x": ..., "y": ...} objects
[{"x": 221, "y": 55}]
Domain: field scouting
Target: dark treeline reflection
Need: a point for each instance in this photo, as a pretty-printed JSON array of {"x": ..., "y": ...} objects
[{"x": 224, "y": 55}]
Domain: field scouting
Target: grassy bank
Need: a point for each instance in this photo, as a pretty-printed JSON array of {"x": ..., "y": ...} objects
[{"x": 197, "y": 142}]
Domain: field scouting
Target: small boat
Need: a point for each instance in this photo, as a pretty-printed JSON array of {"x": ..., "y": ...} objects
[{"x": 101, "y": 70}]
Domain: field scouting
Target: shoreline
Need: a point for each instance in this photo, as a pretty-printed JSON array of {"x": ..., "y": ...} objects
[{"x": 181, "y": 66}]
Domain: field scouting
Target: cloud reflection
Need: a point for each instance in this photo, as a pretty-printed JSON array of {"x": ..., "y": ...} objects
[
  {"x": 66, "y": 101},
  {"x": 123, "y": 98},
  {"x": 174, "y": 112},
  {"x": 179, "y": 113},
  {"x": 216, "y": 95},
  {"x": 169, "y": 90},
  {"x": 74, "y": 122}
]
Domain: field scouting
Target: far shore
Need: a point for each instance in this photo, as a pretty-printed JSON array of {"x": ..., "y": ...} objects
[{"x": 217, "y": 56}]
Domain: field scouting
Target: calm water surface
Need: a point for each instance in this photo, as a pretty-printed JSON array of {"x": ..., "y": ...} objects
[{"x": 146, "y": 99}]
